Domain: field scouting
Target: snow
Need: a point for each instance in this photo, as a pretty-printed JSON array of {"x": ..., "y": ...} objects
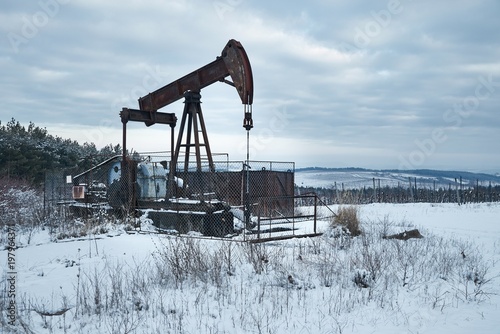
[
  {"x": 354, "y": 179},
  {"x": 276, "y": 287}
]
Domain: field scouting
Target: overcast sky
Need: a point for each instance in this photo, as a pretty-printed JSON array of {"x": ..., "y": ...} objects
[{"x": 373, "y": 84}]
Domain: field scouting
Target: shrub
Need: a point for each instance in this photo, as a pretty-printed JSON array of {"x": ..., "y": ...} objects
[
  {"x": 21, "y": 206},
  {"x": 347, "y": 216}
]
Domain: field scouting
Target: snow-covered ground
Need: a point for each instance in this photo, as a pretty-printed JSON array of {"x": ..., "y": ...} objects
[{"x": 447, "y": 282}]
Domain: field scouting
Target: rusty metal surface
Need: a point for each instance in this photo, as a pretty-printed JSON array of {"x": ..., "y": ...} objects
[
  {"x": 147, "y": 117},
  {"x": 195, "y": 125},
  {"x": 232, "y": 62},
  {"x": 238, "y": 65}
]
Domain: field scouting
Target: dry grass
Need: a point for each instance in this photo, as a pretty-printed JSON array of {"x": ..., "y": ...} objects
[{"x": 347, "y": 216}]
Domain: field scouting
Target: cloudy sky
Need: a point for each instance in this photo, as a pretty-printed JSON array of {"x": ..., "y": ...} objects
[{"x": 374, "y": 84}]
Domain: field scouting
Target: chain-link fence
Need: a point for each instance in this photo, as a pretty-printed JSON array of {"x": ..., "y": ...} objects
[
  {"x": 221, "y": 199},
  {"x": 57, "y": 196},
  {"x": 216, "y": 198},
  {"x": 75, "y": 201}
]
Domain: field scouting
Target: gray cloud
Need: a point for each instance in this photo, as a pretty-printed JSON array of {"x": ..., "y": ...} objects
[{"x": 357, "y": 84}]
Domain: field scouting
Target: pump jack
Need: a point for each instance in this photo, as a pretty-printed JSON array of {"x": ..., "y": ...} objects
[
  {"x": 232, "y": 62},
  {"x": 143, "y": 187}
]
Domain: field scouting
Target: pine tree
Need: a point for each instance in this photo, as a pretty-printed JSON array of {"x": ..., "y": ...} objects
[{"x": 28, "y": 153}]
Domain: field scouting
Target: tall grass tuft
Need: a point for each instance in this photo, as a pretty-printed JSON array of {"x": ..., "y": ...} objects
[{"x": 347, "y": 216}]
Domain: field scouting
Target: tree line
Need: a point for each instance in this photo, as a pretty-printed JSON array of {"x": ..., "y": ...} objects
[{"x": 28, "y": 153}]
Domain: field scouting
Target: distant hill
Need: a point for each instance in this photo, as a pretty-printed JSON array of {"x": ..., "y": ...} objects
[{"x": 353, "y": 177}]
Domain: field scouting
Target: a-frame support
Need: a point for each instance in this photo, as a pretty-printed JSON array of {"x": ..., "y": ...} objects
[{"x": 193, "y": 116}]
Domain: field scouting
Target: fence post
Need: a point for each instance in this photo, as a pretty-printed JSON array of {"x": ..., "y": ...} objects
[
  {"x": 434, "y": 193},
  {"x": 416, "y": 189},
  {"x": 477, "y": 190},
  {"x": 315, "y": 212},
  {"x": 379, "y": 192},
  {"x": 411, "y": 189},
  {"x": 461, "y": 191},
  {"x": 258, "y": 226},
  {"x": 489, "y": 192}
]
